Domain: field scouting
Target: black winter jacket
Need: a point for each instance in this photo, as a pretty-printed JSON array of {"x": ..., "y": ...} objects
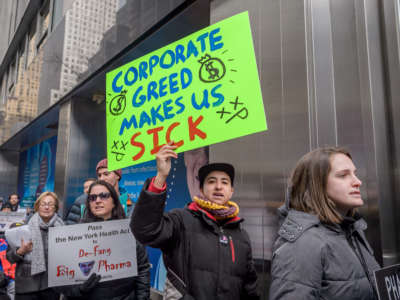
[
  {"x": 3, "y": 286},
  {"x": 131, "y": 288},
  {"x": 215, "y": 261},
  {"x": 74, "y": 214}
]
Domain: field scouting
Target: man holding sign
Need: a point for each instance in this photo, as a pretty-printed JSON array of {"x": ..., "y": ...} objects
[{"x": 206, "y": 252}]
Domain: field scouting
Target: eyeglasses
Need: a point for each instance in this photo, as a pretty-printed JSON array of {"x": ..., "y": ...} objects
[
  {"x": 49, "y": 205},
  {"x": 102, "y": 196}
]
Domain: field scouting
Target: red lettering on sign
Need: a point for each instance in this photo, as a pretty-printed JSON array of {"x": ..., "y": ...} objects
[
  {"x": 82, "y": 253},
  {"x": 103, "y": 265},
  {"x": 193, "y": 130},
  {"x": 154, "y": 132},
  {"x": 157, "y": 132},
  {"x": 168, "y": 135},
  {"x": 65, "y": 271},
  {"x": 137, "y": 144}
]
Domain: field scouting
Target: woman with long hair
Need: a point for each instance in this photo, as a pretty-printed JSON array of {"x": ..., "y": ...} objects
[
  {"x": 321, "y": 251},
  {"x": 103, "y": 204},
  {"x": 31, "y": 274},
  {"x": 102, "y": 208}
]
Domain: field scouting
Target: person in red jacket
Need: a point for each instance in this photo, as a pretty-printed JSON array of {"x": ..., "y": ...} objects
[{"x": 7, "y": 273}]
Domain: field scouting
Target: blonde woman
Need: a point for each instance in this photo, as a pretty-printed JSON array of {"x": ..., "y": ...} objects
[
  {"x": 31, "y": 275},
  {"x": 321, "y": 251}
]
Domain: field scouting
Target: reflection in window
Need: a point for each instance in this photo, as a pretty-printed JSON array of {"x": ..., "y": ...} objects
[
  {"x": 57, "y": 14},
  {"x": 11, "y": 76},
  {"x": 22, "y": 58},
  {"x": 31, "y": 42},
  {"x": 17, "y": 60},
  {"x": 44, "y": 19},
  {"x": 2, "y": 91},
  {"x": 85, "y": 23}
]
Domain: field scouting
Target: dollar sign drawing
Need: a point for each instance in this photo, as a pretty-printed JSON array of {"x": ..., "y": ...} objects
[
  {"x": 118, "y": 103},
  {"x": 211, "y": 70}
]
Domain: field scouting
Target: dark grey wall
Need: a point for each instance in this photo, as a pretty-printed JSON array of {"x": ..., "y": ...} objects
[
  {"x": 5, "y": 21},
  {"x": 9, "y": 161},
  {"x": 81, "y": 144},
  {"x": 21, "y": 7},
  {"x": 324, "y": 80},
  {"x": 51, "y": 66},
  {"x": 391, "y": 25},
  {"x": 11, "y": 13}
]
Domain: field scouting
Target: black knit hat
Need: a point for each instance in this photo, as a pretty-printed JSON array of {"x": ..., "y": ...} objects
[{"x": 224, "y": 167}]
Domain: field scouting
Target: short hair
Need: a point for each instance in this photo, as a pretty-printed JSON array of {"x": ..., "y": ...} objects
[
  {"x": 44, "y": 194},
  {"x": 117, "y": 211},
  {"x": 13, "y": 194},
  {"x": 308, "y": 183},
  {"x": 90, "y": 179}
]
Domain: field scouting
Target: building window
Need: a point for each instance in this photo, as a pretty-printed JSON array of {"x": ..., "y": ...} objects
[
  {"x": 43, "y": 22},
  {"x": 22, "y": 57},
  {"x": 17, "y": 60},
  {"x": 2, "y": 88},
  {"x": 11, "y": 77},
  {"x": 31, "y": 51}
]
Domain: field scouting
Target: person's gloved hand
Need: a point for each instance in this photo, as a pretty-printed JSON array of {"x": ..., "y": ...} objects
[
  {"x": 90, "y": 283},
  {"x": 3, "y": 280}
]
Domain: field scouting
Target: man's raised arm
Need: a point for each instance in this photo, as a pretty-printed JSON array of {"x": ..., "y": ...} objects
[{"x": 148, "y": 223}]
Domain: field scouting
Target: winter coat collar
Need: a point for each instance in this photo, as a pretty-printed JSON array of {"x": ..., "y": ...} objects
[
  {"x": 296, "y": 222},
  {"x": 351, "y": 224}
]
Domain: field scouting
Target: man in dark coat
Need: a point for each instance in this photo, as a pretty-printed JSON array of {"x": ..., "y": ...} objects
[
  {"x": 75, "y": 213},
  {"x": 206, "y": 252},
  {"x": 13, "y": 200}
]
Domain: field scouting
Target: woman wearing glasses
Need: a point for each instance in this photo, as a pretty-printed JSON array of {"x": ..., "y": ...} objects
[
  {"x": 321, "y": 251},
  {"x": 31, "y": 257},
  {"x": 103, "y": 204}
]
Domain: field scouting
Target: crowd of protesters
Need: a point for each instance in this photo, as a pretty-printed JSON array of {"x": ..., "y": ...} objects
[{"x": 320, "y": 253}]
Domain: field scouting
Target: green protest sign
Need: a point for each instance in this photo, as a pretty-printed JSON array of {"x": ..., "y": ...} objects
[{"x": 197, "y": 91}]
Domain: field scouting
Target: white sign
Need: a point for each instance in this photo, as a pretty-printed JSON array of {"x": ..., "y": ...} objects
[
  {"x": 77, "y": 251},
  {"x": 16, "y": 234},
  {"x": 8, "y": 218}
]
